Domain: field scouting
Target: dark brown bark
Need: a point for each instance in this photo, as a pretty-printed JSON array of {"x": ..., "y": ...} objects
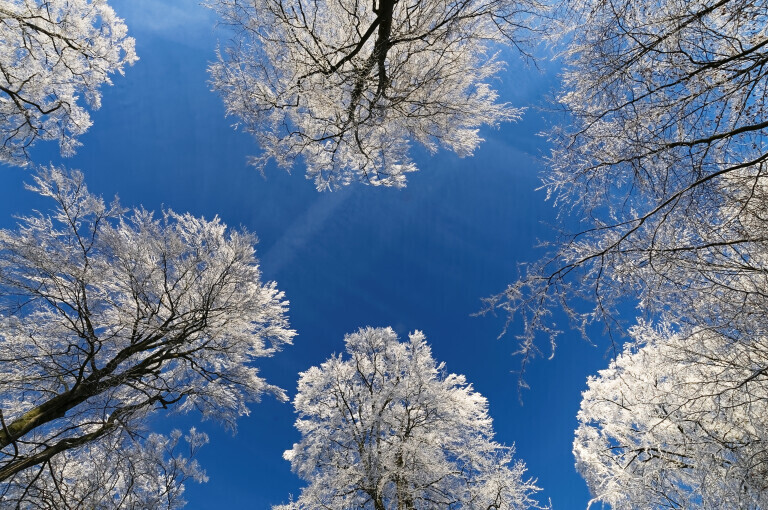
[{"x": 378, "y": 58}]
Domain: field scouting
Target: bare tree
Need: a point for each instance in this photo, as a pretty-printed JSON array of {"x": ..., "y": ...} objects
[
  {"x": 664, "y": 160},
  {"x": 52, "y": 53},
  {"x": 388, "y": 428},
  {"x": 678, "y": 421},
  {"x": 348, "y": 85},
  {"x": 110, "y": 314}
]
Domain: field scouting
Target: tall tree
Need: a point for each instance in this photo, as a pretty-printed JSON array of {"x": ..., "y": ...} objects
[
  {"x": 52, "y": 53},
  {"x": 665, "y": 161},
  {"x": 678, "y": 421},
  {"x": 121, "y": 471},
  {"x": 109, "y": 314},
  {"x": 387, "y": 428},
  {"x": 347, "y": 85}
]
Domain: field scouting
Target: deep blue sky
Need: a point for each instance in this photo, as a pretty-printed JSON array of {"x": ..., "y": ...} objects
[{"x": 419, "y": 258}]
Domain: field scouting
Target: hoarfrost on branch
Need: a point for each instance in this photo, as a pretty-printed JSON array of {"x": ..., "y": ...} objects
[
  {"x": 55, "y": 55},
  {"x": 388, "y": 428},
  {"x": 110, "y": 314},
  {"x": 663, "y": 160},
  {"x": 347, "y": 85},
  {"x": 678, "y": 421}
]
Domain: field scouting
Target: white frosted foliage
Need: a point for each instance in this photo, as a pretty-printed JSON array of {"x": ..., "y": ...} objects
[
  {"x": 348, "y": 86},
  {"x": 662, "y": 161},
  {"x": 678, "y": 421},
  {"x": 385, "y": 427},
  {"x": 109, "y": 314},
  {"x": 54, "y": 57}
]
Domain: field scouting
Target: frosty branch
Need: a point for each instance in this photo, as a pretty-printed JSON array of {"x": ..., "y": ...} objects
[
  {"x": 110, "y": 314},
  {"x": 664, "y": 162},
  {"x": 388, "y": 429},
  {"x": 348, "y": 85},
  {"x": 53, "y": 52},
  {"x": 676, "y": 421}
]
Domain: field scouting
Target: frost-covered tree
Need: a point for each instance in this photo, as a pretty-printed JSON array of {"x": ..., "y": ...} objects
[
  {"x": 110, "y": 314},
  {"x": 388, "y": 428},
  {"x": 348, "y": 84},
  {"x": 54, "y": 56},
  {"x": 119, "y": 472},
  {"x": 678, "y": 421},
  {"x": 664, "y": 157}
]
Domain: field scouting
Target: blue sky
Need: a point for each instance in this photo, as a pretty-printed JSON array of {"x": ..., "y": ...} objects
[{"x": 419, "y": 258}]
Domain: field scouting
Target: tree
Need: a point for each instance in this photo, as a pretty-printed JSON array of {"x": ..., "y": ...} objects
[
  {"x": 117, "y": 472},
  {"x": 678, "y": 421},
  {"x": 389, "y": 429},
  {"x": 347, "y": 85},
  {"x": 110, "y": 314},
  {"x": 54, "y": 52},
  {"x": 665, "y": 163}
]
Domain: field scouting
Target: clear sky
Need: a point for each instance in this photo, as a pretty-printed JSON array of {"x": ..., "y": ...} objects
[{"x": 419, "y": 258}]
